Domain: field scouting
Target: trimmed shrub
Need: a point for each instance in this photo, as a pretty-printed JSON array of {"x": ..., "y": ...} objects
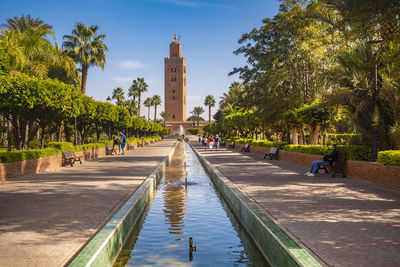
[
  {"x": 20, "y": 155},
  {"x": 88, "y": 147},
  {"x": 63, "y": 146},
  {"x": 351, "y": 152},
  {"x": 194, "y": 131},
  {"x": 389, "y": 157},
  {"x": 344, "y": 139}
]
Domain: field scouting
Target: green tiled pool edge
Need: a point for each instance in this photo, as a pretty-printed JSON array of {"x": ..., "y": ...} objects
[
  {"x": 104, "y": 247},
  {"x": 275, "y": 244}
]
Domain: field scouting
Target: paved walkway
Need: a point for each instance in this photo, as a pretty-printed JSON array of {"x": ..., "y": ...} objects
[
  {"x": 45, "y": 219},
  {"x": 345, "y": 222}
]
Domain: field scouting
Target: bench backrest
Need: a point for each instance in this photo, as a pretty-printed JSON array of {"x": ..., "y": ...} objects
[
  {"x": 69, "y": 154},
  {"x": 232, "y": 143},
  {"x": 273, "y": 150},
  {"x": 108, "y": 147},
  {"x": 246, "y": 145}
]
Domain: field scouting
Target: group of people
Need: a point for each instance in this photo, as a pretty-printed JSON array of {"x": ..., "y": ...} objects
[
  {"x": 210, "y": 140},
  {"x": 120, "y": 143}
]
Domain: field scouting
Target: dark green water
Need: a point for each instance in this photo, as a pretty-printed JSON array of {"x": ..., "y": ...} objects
[{"x": 179, "y": 212}]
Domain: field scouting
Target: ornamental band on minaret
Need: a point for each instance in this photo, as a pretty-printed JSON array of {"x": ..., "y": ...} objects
[{"x": 175, "y": 83}]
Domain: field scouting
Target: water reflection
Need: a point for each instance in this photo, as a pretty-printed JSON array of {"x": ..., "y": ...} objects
[
  {"x": 162, "y": 235},
  {"x": 174, "y": 194}
]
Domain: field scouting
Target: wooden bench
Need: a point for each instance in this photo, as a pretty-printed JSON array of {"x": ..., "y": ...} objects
[
  {"x": 110, "y": 150},
  {"x": 69, "y": 156},
  {"x": 246, "y": 148},
  {"x": 338, "y": 166},
  {"x": 232, "y": 145},
  {"x": 272, "y": 153}
]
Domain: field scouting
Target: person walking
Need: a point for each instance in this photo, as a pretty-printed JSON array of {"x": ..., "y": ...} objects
[
  {"x": 327, "y": 160},
  {"x": 123, "y": 142},
  {"x": 210, "y": 142},
  {"x": 217, "y": 140},
  {"x": 199, "y": 138},
  {"x": 204, "y": 141}
]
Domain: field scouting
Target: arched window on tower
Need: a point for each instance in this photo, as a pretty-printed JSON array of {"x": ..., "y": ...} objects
[{"x": 173, "y": 116}]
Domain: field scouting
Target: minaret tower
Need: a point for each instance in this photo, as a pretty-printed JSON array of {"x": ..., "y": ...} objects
[{"x": 175, "y": 83}]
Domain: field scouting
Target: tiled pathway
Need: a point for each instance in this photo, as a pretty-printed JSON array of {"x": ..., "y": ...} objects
[
  {"x": 46, "y": 218},
  {"x": 345, "y": 222}
]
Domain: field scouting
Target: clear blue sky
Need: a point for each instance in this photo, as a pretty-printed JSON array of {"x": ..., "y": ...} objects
[{"x": 138, "y": 36}]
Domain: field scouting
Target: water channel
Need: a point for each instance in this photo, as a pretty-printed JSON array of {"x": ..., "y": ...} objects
[{"x": 180, "y": 211}]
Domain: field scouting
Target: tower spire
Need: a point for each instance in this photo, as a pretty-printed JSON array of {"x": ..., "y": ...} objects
[{"x": 175, "y": 37}]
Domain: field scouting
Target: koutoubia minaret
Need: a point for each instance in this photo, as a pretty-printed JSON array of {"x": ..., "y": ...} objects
[{"x": 175, "y": 83}]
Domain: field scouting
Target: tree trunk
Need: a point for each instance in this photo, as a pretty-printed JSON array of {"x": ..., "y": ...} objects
[
  {"x": 42, "y": 137},
  {"x": 148, "y": 113},
  {"x": 9, "y": 134},
  {"x": 294, "y": 134},
  {"x": 209, "y": 114},
  {"x": 301, "y": 141},
  {"x": 198, "y": 122},
  {"x": 314, "y": 131},
  {"x": 139, "y": 98},
  {"x": 84, "y": 78},
  {"x": 155, "y": 113}
]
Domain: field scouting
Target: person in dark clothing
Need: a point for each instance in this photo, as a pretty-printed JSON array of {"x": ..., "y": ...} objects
[
  {"x": 117, "y": 142},
  {"x": 327, "y": 160}
]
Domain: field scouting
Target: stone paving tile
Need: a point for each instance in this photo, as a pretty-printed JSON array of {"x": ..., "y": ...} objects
[
  {"x": 345, "y": 222},
  {"x": 46, "y": 218}
]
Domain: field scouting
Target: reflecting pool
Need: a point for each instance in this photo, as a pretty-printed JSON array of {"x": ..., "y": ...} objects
[{"x": 186, "y": 205}]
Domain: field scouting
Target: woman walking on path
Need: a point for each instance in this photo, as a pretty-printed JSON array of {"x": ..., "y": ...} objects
[
  {"x": 117, "y": 142},
  {"x": 211, "y": 142},
  {"x": 204, "y": 141}
]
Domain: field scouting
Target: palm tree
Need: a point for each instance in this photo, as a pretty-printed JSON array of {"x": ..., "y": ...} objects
[
  {"x": 133, "y": 92},
  {"x": 139, "y": 86},
  {"x": 23, "y": 23},
  {"x": 196, "y": 112},
  {"x": 210, "y": 102},
  {"x": 118, "y": 94},
  {"x": 86, "y": 47},
  {"x": 148, "y": 103},
  {"x": 233, "y": 96},
  {"x": 164, "y": 115},
  {"x": 156, "y": 102}
]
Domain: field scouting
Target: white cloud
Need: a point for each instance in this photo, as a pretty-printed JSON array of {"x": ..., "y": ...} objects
[
  {"x": 123, "y": 80},
  {"x": 194, "y": 97},
  {"x": 132, "y": 64}
]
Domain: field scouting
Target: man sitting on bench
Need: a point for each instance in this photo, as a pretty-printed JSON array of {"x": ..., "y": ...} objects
[{"x": 327, "y": 160}]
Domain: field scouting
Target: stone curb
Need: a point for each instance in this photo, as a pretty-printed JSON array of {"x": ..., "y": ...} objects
[
  {"x": 276, "y": 245},
  {"x": 105, "y": 246}
]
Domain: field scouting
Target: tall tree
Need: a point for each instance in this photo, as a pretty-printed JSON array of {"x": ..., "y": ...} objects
[
  {"x": 139, "y": 86},
  {"x": 148, "y": 103},
  {"x": 164, "y": 115},
  {"x": 156, "y": 102},
  {"x": 196, "y": 112},
  {"x": 86, "y": 47},
  {"x": 210, "y": 102},
  {"x": 23, "y": 23},
  {"x": 119, "y": 96}
]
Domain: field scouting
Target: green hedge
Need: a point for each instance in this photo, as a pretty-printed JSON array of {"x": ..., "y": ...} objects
[
  {"x": 20, "y": 155},
  {"x": 344, "y": 139},
  {"x": 389, "y": 157},
  {"x": 61, "y": 145},
  {"x": 55, "y": 148},
  {"x": 351, "y": 152},
  {"x": 88, "y": 147}
]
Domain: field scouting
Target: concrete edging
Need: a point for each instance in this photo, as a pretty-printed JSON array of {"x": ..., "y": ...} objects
[
  {"x": 104, "y": 247},
  {"x": 275, "y": 244}
]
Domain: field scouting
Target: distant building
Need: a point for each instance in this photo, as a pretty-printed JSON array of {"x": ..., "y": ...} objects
[{"x": 175, "y": 89}]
